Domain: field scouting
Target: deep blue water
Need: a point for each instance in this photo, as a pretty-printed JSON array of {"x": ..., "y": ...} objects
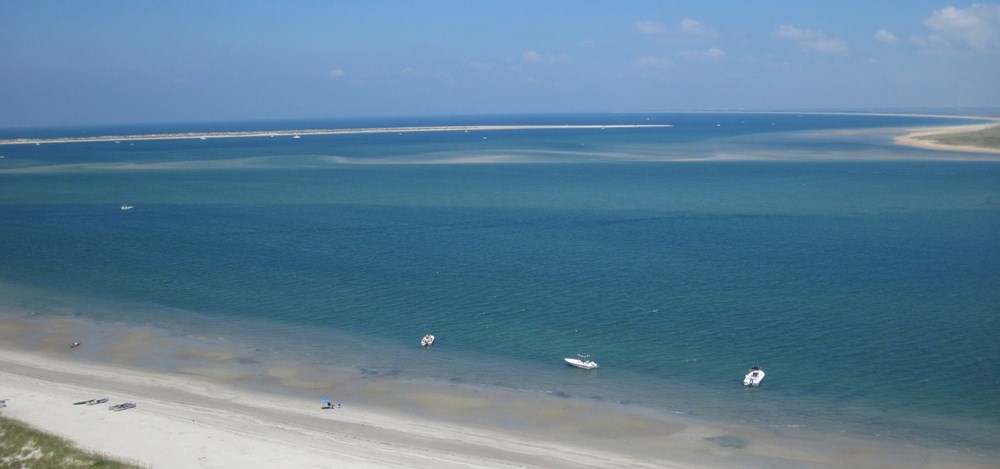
[{"x": 869, "y": 290}]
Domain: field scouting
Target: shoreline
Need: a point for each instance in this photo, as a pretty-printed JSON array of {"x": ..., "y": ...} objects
[
  {"x": 915, "y": 137},
  {"x": 199, "y": 416},
  {"x": 183, "y": 421},
  {"x": 924, "y": 138},
  {"x": 307, "y": 132}
]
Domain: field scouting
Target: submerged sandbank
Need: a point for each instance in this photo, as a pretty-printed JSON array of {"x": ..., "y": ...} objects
[
  {"x": 202, "y": 415},
  {"x": 300, "y": 133}
]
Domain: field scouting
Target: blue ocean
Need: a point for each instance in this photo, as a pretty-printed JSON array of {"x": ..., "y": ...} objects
[{"x": 863, "y": 276}]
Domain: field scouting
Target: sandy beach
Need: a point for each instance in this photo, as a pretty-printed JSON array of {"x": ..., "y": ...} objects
[
  {"x": 926, "y": 138},
  {"x": 184, "y": 422},
  {"x": 187, "y": 419}
]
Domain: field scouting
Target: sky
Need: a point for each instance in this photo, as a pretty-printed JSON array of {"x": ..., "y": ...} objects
[{"x": 121, "y": 62}]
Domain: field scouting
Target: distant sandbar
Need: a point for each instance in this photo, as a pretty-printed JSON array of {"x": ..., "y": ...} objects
[
  {"x": 980, "y": 138},
  {"x": 300, "y": 133}
]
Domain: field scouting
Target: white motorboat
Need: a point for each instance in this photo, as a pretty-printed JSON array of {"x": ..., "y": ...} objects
[
  {"x": 127, "y": 207},
  {"x": 753, "y": 377},
  {"x": 581, "y": 361},
  {"x": 427, "y": 341}
]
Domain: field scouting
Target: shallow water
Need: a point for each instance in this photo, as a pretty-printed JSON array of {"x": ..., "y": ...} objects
[{"x": 866, "y": 288}]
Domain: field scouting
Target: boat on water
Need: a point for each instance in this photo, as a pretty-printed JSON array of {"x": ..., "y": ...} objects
[
  {"x": 127, "y": 207},
  {"x": 581, "y": 361},
  {"x": 427, "y": 341},
  {"x": 753, "y": 377},
  {"x": 122, "y": 406}
]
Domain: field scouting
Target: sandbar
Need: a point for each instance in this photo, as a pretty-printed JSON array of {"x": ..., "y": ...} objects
[
  {"x": 306, "y": 132},
  {"x": 978, "y": 138}
]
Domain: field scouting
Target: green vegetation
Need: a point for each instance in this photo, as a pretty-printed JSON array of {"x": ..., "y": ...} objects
[
  {"x": 986, "y": 138},
  {"x": 24, "y": 447}
]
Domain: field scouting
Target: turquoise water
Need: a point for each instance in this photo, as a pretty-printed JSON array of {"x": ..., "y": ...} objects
[{"x": 868, "y": 288}]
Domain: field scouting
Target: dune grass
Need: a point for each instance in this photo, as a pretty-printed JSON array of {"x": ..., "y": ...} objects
[
  {"x": 986, "y": 138},
  {"x": 24, "y": 447}
]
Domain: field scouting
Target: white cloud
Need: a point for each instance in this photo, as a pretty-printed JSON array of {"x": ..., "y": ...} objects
[
  {"x": 561, "y": 58},
  {"x": 648, "y": 61},
  {"x": 787, "y": 31},
  {"x": 649, "y": 28},
  {"x": 809, "y": 40},
  {"x": 337, "y": 72},
  {"x": 833, "y": 46},
  {"x": 416, "y": 74},
  {"x": 694, "y": 28},
  {"x": 481, "y": 66},
  {"x": 536, "y": 57},
  {"x": 886, "y": 37},
  {"x": 531, "y": 56},
  {"x": 977, "y": 27},
  {"x": 687, "y": 30},
  {"x": 709, "y": 55}
]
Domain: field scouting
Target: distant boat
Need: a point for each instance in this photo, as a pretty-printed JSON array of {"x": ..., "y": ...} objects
[
  {"x": 581, "y": 361},
  {"x": 122, "y": 406},
  {"x": 753, "y": 377},
  {"x": 427, "y": 341},
  {"x": 127, "y": 207},
  {"x": 92, "y": 401},
  {"x": 296, "y": 136}
]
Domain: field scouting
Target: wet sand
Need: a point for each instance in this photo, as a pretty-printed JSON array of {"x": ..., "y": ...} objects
[{"x": 202, "y": 416}]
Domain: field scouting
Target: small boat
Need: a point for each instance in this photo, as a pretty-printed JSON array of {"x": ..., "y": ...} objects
[
  {"x": 581, "y": 361},
  {"x": 92, "y": 401},
  {"x": 427, "y": 341},
  {"x": 753, "y": 377},
  {"x": 74, "y": 345},
  {"x": 122, "y": 406},
  {"x": 127, "y": 207}
]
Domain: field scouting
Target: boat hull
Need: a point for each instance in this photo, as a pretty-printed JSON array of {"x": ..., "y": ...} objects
[
  {"x": 753, "y": 378},
  {"x": 586, "y": 365}
]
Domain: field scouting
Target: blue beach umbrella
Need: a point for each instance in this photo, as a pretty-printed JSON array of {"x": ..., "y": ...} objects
[{"x": 324, "y": 399}]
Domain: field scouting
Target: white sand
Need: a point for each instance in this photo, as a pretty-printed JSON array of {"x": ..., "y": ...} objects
[
  {"x": 918, "y": 138},
  {"x": 180, "y": 422},
  {"x": 183, "y": 421},
  {"x": 299, "y": 133}
]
